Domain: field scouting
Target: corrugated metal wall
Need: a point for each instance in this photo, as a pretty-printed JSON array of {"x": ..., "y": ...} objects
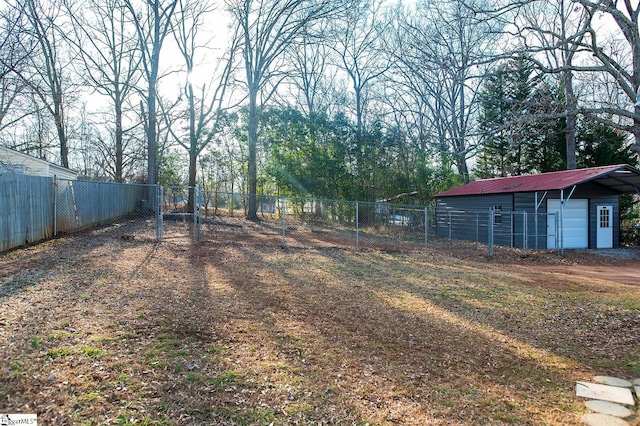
[
  {"x": 510, "y": 230},
  {"x": 26, "y": 209}
]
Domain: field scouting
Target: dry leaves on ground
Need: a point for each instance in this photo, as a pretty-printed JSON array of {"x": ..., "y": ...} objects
[{"x": 100, "y": 329}]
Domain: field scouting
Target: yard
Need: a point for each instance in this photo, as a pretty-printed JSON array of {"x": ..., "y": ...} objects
[{"x": 108, "y": 327}]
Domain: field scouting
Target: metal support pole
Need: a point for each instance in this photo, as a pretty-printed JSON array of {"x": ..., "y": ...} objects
[
  {"x": 512, "y": 220},
  {"x": 449, "y": 224},
  {"x": 561, "y": 229},
  {"x": 490, "y": 232},
  {"x": 357, "y": 227},
  {"x": 197, "y": 220},
  {"x": 283, "y": 213},
  {"x": 55, "y": 206},
  {"x": 426, "y": 227},
  {"x": 525, "y": 231},
  {"x": 557, "y": 227},
  {"x": 477, "y": 227},
  {"x": 159, "y": 200}
]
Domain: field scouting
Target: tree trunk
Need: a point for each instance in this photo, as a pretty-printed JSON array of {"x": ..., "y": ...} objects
[
  {"x": 636, "y": 131},
  {"x": 463, "y": 170},
  {"x": 152, "y": 145},
  {"x": 252, "y": 208},
  {"x": 193, "y": 149},
  {"x": 119, "y": 140},
  {"x": 570, "y": 131}
]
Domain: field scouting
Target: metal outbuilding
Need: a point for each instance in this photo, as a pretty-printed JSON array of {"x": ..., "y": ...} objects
[{"x": 584, "y": 201}]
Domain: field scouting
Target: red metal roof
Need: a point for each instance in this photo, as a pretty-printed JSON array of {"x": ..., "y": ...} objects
[{"x": 621, "y": 177}]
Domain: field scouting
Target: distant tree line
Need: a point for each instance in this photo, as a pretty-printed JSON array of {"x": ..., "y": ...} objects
[{"x": 357, "y": 99}]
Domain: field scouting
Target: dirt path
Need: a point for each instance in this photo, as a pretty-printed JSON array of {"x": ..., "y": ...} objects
[{"x": 624, "y": 273}]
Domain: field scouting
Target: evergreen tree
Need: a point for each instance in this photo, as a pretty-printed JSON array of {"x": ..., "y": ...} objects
[
  {"x": 520, "y": 130},
  {"x": 601, "y": 145}
]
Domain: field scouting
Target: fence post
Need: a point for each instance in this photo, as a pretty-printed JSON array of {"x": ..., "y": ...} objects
[
  {"x": 426, "y": 227},
  {"x": 357, "y": 227},
  {"x": 512, "y": 223},
  {"x": 55, "y": 206},
  {"x": 197, "y": 220},
  {"x": 283, "y": 213},
  {"x": 561, "y": 229},
  {"x": 490, "y": 228},
  {"x": 535, "y": 219},
  {"x": 477, "y": 227},
  {"x": 525, "y": 232},
  {"x": 159, "y": 200}
]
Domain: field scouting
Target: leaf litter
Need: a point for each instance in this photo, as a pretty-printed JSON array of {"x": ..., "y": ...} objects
[{"x": 97, "y": 329}]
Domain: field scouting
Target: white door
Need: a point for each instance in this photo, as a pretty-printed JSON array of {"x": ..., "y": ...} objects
[
  {"x": 575, "y": 229},
  {"x": 605, "y": 227}
]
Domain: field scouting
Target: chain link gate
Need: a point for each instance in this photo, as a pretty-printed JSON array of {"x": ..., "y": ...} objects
[{"x": 179, "y": 212}]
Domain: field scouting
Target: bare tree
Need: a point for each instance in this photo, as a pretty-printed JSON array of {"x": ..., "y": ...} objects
[
  {"x": 550, "y": 35},
  {"x": 108, "y": 58},
  {"x": 617, "y": 54},
  {"x": 445, "y": 53},
  {"x": 313, "y": 77},
  {"x": 48, "y": 74},
  {"x": 14, "y": 54},
  {"x": 204, "y": 109},
  {"x": 152, "y": 19},
  {"x": 597, "y": 42},
  {"x": 360, "y": 48},
  {"x": 267, "y": 29}
]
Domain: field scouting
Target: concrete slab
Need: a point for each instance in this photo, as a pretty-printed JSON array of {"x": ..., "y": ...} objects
[
  {"x": 610, "y": 408},
  {"x": 636, "y": 382},
  {"x": 605, "y": 393},
  {"x": 597, "y": 419},
  {"x": 637, "y": 389},
  {"x": 612, "y": 381}
]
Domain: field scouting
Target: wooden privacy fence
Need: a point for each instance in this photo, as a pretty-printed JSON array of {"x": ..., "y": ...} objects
[{"x": 36, "y": 208}]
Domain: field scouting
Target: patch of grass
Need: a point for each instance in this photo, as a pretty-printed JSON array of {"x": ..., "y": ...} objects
[
  {"x": 99, "y": 339},
  {"x": 35, "y": 343},
  {"x": 158, "y": 364},
  {"x": 91, "y": 397},
  {"x": 17, "y": 368},
  {"x": 225, "y": 379},
  {"x": 177, "y": 353},
  {"x": 59, "y": 335},
  {"x": 126, "y": 419},
  {"x": 508, "y": 418},
  {"x": 634, "y": 366},
  {"x": 94, "y": 353},
  {"x": 57, "y": 352},
  {"x": 196, "y": 378},
  {"x": 130, "y": 335}
]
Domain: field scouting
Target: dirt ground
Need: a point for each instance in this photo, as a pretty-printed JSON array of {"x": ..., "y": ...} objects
[{"x": 111, "y": 327}]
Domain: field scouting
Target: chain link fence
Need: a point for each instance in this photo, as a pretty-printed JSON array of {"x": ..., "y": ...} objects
[
  {"x": 521, "y": 230},
  {"x": 180, "y": 215},
  {"x": 301, "y": 222},
  {"x": 151, "y": 211},
  {"x": 83, "y": 204}
]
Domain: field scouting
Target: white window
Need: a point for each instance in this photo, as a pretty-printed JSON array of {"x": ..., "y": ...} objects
[{"x": 497, "y": 215}]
